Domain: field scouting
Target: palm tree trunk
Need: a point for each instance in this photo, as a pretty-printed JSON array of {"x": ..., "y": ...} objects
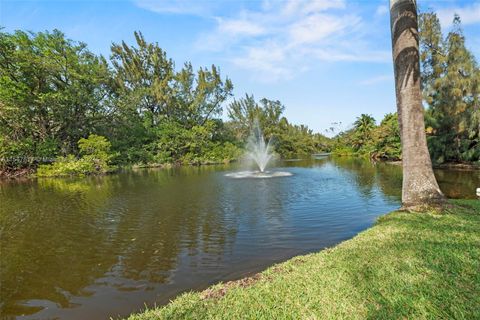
[{"x": 419, "y": 185}]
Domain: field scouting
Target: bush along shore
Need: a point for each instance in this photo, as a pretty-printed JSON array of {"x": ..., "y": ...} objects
[{"x": 407, "y": 266}]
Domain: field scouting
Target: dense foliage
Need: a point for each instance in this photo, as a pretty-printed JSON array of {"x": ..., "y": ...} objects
[
  {"x": 366, "y": 138},
  {"x": 451, "y": 87},
  {"x": 451, "y": 90},
  {"x": 289, "y": 140},
  {"x": 54, "y": 92}
]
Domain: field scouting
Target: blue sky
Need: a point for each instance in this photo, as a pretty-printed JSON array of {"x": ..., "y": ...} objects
[{"x": 326, "y": 60}]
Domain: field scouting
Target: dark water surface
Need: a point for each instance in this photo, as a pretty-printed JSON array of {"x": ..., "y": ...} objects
[{"x": 99, "y": 247}]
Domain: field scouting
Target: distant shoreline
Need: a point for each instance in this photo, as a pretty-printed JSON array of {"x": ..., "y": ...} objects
[{"x": 29, "y": 173}]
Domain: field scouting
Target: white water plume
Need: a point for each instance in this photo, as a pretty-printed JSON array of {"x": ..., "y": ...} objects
[
  {"x": 258, "y": 149},
  {"x": 261, "y": 152}
]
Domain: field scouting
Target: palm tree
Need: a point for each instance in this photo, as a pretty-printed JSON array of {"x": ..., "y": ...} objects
[
  {"x": 364, "y": 124},
  {"x": 363, "y": 128},
  {"x": 419, "y": 187}
]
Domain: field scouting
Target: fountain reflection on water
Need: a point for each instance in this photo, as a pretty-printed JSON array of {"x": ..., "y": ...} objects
[{"x": 261, "y": 152}]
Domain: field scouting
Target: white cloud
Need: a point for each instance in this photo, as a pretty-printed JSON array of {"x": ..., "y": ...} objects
[
  {"x": 280, "y": 39},
  {"x": 469, "y": 14},
  {"x": 314, "y": 28},
  {"x": 268, "y": 62},
  {"x": 239, "y": 27}
]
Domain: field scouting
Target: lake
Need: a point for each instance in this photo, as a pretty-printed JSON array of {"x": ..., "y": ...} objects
[{"x": 102, "y": 247}]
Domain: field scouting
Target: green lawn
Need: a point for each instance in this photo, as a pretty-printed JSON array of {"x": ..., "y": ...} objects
[{"x": 407, "y": 266}]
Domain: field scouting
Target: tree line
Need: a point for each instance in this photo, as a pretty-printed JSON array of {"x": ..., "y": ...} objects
[
  {"x": 136, "y": 107},
  {"x": 450, "y": 82}
]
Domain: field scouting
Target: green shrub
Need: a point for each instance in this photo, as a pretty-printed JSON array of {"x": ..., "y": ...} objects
[
  {"x": 96, "y": 158},
  {"x": 65, "y": 166},
  {"x": 226, "y": 152}
]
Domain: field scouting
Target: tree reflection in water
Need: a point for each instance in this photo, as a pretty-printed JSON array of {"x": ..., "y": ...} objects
[{"x": 98, "y": 247}]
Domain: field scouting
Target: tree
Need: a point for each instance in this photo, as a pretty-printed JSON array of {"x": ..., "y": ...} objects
[
  {"x": 363, "y": 126},
  {"x": 143, "y": 78},
  {"x": 152, "y": 98},
  {"x": 289, "y": 140},
  {"x": 199, "y": 97},
  {"x": 244, "y": 112},
  {"x": 146, "y": 81},
  {"x": 420, "y": 187},
  {"x": 387, "y": 139},
  {"x": 365, "y": 123},
  {"x": 52, "y": 93},
  {"x": 451, "y": 88}
]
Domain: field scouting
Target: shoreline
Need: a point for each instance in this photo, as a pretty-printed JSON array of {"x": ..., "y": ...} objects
[
  {"x": 380, "y": 273},
  {"x": 28, "y": 173}
]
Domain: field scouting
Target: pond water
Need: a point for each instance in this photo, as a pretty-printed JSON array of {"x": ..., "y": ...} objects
[{"x": 103, "y": 247}]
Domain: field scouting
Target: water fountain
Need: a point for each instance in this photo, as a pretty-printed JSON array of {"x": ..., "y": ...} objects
[
  {"x": 260, "y": 152},
  {"x": 257, "y": 149}
]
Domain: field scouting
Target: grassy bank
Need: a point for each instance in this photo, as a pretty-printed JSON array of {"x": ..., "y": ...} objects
[{"x": 409, "y": 265}]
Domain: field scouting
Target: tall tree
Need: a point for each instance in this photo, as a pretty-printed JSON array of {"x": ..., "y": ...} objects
[
  {"x": 451, "y": 88},
  {"x": 244, "y": 112},
  {"x": 147, "y": 82},
  {"x": 419, "y": 187},
  {"x": 387, "y": 139},
  {"x": 144, "y": 77},
  {"x": 154, "y": 100},
  {"x": 364, "y": 126},
  {"x": 53, "y": 91}
]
